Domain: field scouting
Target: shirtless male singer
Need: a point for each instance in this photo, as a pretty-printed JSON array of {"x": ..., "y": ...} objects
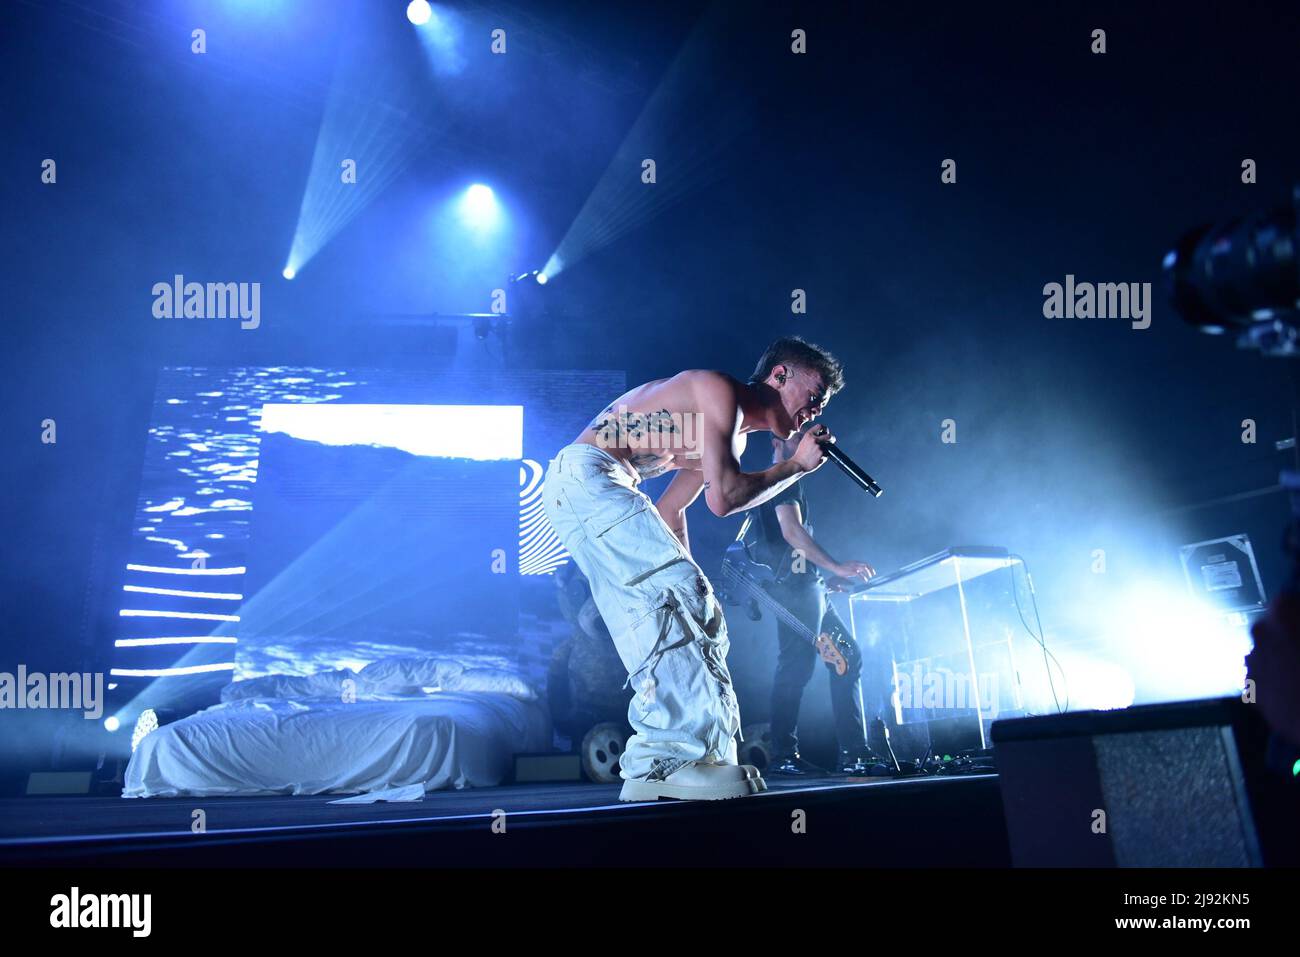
[{"x": 658, "y": 605}]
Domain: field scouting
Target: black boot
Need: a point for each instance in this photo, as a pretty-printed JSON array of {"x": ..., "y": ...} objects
[{"x": 792, "y": 765}]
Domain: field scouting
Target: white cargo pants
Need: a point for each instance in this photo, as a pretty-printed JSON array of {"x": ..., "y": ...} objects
[{"x": 660, "y": 610}]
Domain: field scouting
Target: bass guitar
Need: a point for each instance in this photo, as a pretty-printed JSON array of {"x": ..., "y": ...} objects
[{"x": 744, "y": 579}]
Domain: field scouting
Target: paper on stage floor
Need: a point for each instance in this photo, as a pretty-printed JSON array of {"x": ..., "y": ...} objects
[{"x": 411, "y": 792}]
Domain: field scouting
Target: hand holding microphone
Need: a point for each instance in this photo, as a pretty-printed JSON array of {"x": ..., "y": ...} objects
[
  {"x": 825, "y": 443},
  {"x": 813, "y": 446}
]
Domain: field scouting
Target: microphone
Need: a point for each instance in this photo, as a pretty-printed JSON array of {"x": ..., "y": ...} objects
[{"x": 852, "y": 469}]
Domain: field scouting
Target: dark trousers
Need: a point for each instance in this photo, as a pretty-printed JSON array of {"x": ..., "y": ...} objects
[{"x": 795, "y": 663}]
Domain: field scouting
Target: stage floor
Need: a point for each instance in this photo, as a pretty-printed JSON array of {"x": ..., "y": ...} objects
[{"x": 932, "y": 821}]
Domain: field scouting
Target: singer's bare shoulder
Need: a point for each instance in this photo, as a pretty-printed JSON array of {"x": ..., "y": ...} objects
[
  {"x": 710, "y": 394},
  {"x": 712, "y": 382}
]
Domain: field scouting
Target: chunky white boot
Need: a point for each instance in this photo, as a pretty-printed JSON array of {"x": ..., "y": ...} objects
[
  {"x": 755, "y": 777},
  {"x": 693, "y": 782}
]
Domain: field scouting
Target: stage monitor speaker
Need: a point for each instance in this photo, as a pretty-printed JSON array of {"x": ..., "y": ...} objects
[{"x": 1188, "y": 784}]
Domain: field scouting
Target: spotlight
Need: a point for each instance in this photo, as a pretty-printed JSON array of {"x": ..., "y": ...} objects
[
  {"x": 111, "y": 723},
  {"x": 479, "y": 208},
  {"x": 528, "y": 300},
  {"x": 289, "y": 272},
  {"x": 419, "y": 12}
]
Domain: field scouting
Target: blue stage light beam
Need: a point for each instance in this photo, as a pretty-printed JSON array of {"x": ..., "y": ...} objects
[
  {"x": 694, "y": 116},
  {"x": 441, "y": 33},
  {"x": 369, "y": 134}
]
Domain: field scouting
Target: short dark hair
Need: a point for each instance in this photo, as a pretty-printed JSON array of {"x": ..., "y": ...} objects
[{"x": 798, "y": 351}]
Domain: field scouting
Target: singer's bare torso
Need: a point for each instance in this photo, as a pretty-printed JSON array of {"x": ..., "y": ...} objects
[{"x": 656, "y": 427}]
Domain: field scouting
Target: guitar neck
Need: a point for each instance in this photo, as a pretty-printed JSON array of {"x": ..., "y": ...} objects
[{"x": 757, "y": 592}]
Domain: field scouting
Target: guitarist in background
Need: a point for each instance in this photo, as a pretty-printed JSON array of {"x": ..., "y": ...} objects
[{"x": 786, "y": 543}]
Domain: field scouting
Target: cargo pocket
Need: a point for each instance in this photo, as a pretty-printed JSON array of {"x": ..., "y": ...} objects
[
  {"x": 693, "y": 638},
  {"x": 600, "y": 500},
  {"x": 643, "y": 553}
]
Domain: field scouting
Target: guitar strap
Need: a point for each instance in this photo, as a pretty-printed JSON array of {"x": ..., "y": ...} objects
[{"x": 744, "y": 526}]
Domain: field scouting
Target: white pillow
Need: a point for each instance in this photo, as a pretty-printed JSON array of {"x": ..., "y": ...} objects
[
  {"x": 397, "y": 676},
  {"x": 323, "y": 684},
  {"x": 409, "y": 675},
  {"x": 491, "y": 679}
]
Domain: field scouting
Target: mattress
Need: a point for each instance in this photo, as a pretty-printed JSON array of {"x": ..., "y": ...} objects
[{"x": 371, "y": 742}]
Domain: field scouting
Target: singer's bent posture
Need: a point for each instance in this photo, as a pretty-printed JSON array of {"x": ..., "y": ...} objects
[{"x": 659, "y": 607}]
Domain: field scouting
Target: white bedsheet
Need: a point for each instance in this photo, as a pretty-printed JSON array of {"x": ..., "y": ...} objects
[{"x": 321, "y": 745}]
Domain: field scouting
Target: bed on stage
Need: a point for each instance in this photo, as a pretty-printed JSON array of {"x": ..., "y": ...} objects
[{"x": 437, "y": 723}]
